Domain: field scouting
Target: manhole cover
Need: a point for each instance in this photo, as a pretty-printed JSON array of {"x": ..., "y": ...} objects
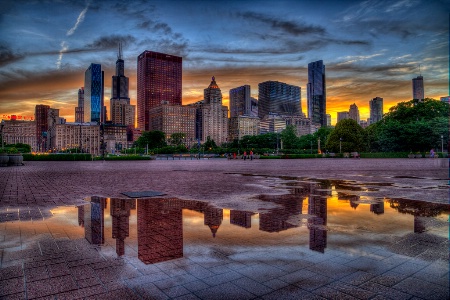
[{"x": 143, "y": 194}]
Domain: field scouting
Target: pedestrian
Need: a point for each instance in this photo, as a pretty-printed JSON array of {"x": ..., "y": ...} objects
[
  {"x": 251, "y": 154},
  {"x": 432, "y": 153},
  {"x": 234, "y": 155},
  {"x": 245, "y": 155}
]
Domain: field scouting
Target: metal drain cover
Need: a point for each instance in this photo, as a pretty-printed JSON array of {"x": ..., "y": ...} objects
[{"x": 143, "y": 194}]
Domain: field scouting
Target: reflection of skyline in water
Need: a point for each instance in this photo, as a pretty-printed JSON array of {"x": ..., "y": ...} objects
[{"x": 159, "y": 225}]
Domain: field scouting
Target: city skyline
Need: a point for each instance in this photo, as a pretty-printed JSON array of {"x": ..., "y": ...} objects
[{"x": 370, "y": 49}]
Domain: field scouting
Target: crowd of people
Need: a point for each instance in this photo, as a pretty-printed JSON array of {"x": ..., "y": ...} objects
[{"x": 246, "y": 155}]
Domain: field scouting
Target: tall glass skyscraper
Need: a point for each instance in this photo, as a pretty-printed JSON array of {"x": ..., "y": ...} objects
[
  {"x": 158, "y": 80},
  {"x": 122, "y": 113},
  {"x": 376, "y": 109},
  {"x": 240, "y": 101},
  {"x": 93, "y": 94},
  {"x": 316, "y": 93},
  {"x": 418, "y": 91},
  {"x": 278, "y": 98}
]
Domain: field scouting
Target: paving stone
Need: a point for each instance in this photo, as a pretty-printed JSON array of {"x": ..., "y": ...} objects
[
  {"x": 421, "y": 288},
  {"x": 224, "y": 291},
  {"x": 55, "y": 262},
  {"x": 11, "y": 286},
  {"x": 11, "y": 272}
]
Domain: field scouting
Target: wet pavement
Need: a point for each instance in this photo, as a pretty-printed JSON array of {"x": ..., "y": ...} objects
[{"x": 270, "y": 230}]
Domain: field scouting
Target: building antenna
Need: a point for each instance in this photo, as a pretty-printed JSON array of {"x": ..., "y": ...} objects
[{"x": 119, "y": 56}]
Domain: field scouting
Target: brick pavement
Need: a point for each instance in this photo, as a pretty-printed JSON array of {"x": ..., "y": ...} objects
[
  {"x": 67, "y": 183},
  {"x": 48, "y": 261}
]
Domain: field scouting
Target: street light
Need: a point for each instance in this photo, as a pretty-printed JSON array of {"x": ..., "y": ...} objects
[
  {"x": 340, "y": 145},
  {"x": 442, "y": 144}
]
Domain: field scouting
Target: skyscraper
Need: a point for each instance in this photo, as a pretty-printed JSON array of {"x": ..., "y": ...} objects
[
  {"x": 158, "y": 79},
  {"x": 342, "y": 115},
  {"x": 214, "y": 115},
  {"x": 418, "y": 91},
  {"x": 328, "y": 119},
  {"x": 41, "y": 117},
  {"x": 376, "y": 109},
  {"x": 122, "y": 112},
  {"x": 93, "y": 94},
  {"x": 278, "y": 98},
  {"x": 79, "y": 115},
  {"x": 353, "y": 113},
  {"x": 240, "y": 101},
  {"x": 316, "y": 93}
]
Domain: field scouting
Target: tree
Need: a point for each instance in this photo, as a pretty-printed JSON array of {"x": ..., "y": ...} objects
[
  {"x": 289, "y": 137},
  {"x": 209, "y": 144},
  {"x": 177, "y": 139},
  {"x": 348, "y": 134},
  {"x": 152, "y": 139},
  {"x": 323, "y": 133},
  {"x": 307, "y": 142},
  {"x": 410, "y": 126}
]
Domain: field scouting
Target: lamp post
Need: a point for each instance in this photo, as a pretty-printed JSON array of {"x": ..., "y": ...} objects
[
  {"x": 311, "y": 147},
  {"x": 340, "y": 145},
  {"x": 318, "y": 145},
  {"x": 442, "y": 144}
]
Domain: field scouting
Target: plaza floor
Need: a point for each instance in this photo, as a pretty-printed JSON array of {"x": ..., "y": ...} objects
[{"x": 261, "y": 229}]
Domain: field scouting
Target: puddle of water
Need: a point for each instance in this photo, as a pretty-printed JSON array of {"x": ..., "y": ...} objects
[{"x": 312, "y": 219}]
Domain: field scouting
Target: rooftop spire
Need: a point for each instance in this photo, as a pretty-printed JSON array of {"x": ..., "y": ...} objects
[{"x": 119, "y": 56}]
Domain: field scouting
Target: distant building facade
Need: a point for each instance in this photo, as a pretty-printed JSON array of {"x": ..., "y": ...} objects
[
  {"x": 342, "y": 115},
  {"x": 316, "y": 93},
  {"x": 53, "y": 120},
  {"x": 272, "y": 123},
  {"x": 83, "y": 136},
  {"x": 79, "y": 110},
  {"x": 364, "y": 123},
  {"x": 328, "y": 120},
  {"x": 94, "y": 110},
  {"x": 172, "y": 119},
  {"x": 302, "y": 125},
  {"x": 243, "y": 125},
  {"x": 240, "y": 101},
  {"x": 445, "y": 99},
  {"x": 158, "y": 79},
  {"x": 353, "y": 113},
  {"x": 214, "y": 115},
  {"x": 41, "y": 117},
  {"x": 278, "y": 98},
  {"x": 114, "y": 137},
  {"x": 19, "y": 131},
  {"x": 376, "y": 110},
  {"x": 418, "y": 89},
  {"x": 254, "y": 107}
]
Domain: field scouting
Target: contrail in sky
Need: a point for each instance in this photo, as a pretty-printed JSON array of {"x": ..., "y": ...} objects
[
  {"x": 64, "y": 48},
  {"x": 79, "y": 20}
]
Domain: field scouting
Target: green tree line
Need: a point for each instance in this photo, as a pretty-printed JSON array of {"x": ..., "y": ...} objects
[{"x": 412, "y": 126}]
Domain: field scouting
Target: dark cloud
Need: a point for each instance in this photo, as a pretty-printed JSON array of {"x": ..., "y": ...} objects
[
  {"x": 111, "y": 42},
  {"x": 175, "y": 47},
  {"x": 137, "y": 10},
  {"x": 156, "y": 26},
  {"x": 7, "y": 56},
  {"x": 293, "y": 28},
  {"x": 281, "y": 45},
  {"x": 359, "y": 69}
]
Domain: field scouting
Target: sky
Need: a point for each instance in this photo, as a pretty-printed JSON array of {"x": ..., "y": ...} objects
[{"x": 370, "y": 48}]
